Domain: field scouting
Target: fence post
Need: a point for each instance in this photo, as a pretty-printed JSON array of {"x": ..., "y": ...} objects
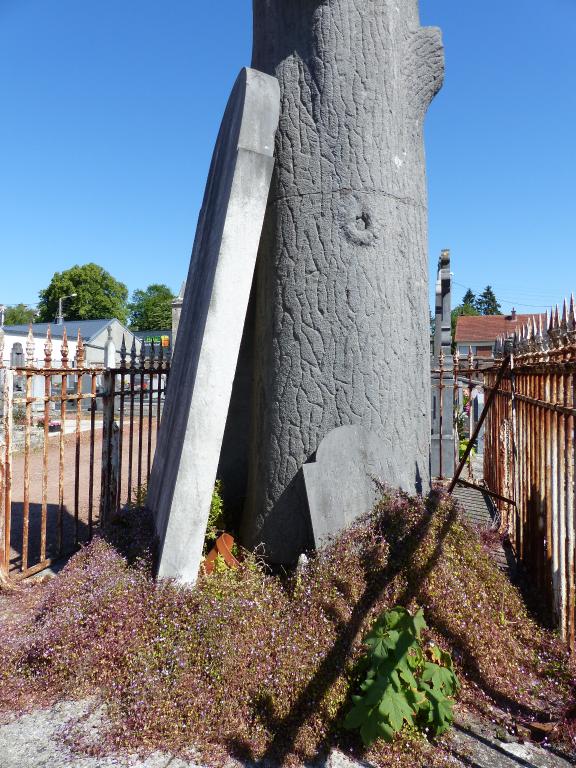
[
  {"x": 7, "y": 392},
  {"x": 109, "y": 455},
  {"x": 3, "y": 563}
]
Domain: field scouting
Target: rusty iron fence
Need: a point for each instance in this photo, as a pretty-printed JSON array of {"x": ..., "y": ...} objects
[
  {"x": 530, "y": 453},
  {"x": 76, "y": 444}
]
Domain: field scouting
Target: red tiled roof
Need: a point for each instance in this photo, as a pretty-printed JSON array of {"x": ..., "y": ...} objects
[{"x": 489, "y": 327}]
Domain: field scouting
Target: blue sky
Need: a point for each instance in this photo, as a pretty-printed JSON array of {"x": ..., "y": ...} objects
[{"x": 109, "y": 110}]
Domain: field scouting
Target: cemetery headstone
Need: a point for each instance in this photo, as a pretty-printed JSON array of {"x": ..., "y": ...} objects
[{"x": 210, "y": 328}]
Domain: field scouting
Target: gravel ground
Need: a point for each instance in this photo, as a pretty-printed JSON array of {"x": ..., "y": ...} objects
[{"x": 38, "y": 740}]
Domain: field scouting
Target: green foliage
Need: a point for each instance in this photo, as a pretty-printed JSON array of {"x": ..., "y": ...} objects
[
  {"x": 216, "y": 519},
  {"x": 99, "y": 295},
  {"x": 139, "y": 493},
  {"x": 151, "y": 309},
  {"x": 486, "y": 303},
  {"x": 403, "y": 683},
  {"x": 469, "y": 298},
  {"x": 462, "y": 445},
  {"x": 461, "y": 419},
  {"x": 19, "y": 314}
]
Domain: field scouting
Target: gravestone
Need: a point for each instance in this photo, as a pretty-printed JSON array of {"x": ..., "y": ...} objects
[
  {"x": 210, "y": 328},
  {"x": 443, "y": 430},
  {"x": 109, "y": 350},
  {"x": 340, "y": 483},
  {"x": 338, "y": 330}
]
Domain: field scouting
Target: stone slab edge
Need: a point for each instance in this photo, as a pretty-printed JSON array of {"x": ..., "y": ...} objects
[{"x": 215, "y": 304}]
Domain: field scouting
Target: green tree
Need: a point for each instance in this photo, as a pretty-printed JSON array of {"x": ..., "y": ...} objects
[
  {"x": 99, "y": 295},
  {"x": 469, "y": 298},
  {"x": 151, "y": 309},
  {"x": 19, "y": 314},
  {"x": 487, "y": 303},
  {"x": 463, "y": 310}
]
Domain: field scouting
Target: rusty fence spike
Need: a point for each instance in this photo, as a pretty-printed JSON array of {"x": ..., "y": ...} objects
[
  {"x": 79, "y": 350},
  {"x": 64, "y": 349},
  {"x": 48, "y": 349}
]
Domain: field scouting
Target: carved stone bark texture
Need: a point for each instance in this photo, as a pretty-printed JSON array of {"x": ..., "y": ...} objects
[{"x": 341, "y": 333}]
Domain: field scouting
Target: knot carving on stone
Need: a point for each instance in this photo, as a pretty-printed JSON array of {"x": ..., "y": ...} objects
[{"x": 357, "y": 221}]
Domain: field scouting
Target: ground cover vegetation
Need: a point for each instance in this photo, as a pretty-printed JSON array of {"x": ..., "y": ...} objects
[{"x": 262, "y": 666}]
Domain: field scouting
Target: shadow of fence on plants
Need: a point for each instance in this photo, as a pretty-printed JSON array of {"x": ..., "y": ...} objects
[
  {"x": 536, "y": 605},
  {"x": 286, "y": 729}
]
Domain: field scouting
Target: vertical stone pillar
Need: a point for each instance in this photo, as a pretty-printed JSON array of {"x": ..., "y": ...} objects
[
  {"x": 340, "y": 303},
  {"x": 443, "y": 436}
]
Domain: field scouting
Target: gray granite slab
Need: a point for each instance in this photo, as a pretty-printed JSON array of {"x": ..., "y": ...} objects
[
  {"x": 340, "y": 483},
  {"x": 210, "y": 328}
]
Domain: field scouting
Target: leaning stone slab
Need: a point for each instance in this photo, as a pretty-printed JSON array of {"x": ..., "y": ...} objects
[
  {"x": 211, "y": 323},
  {"x": 340, "y": 484}
]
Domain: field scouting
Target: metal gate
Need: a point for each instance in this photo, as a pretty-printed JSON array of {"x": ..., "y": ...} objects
[{"x": 76, "y": 444}]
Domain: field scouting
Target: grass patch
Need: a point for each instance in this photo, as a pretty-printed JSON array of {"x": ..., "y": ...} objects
[{"x": 261, "y": 666}]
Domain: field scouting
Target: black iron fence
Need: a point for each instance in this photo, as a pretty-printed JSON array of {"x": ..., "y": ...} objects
[{"x": 76, "y": 443}]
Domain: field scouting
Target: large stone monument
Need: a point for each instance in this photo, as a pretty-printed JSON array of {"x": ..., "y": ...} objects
[
  {"x": 338, "y": 330},
  {"x": 443, "y": 431},
  {"x": 210, "y": 328}
]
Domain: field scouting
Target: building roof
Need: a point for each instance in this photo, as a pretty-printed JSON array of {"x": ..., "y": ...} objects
[
  {"x": 88, "y": 328},
  {"x": 489, "y": 327}
]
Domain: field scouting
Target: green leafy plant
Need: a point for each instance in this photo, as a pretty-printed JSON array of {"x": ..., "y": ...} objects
[
  {"x": 462, "y": 450},
  {"x": 404, "y": 683},
  {"x": 216, "y": 521},
  {"x": 138, "y": 500}
]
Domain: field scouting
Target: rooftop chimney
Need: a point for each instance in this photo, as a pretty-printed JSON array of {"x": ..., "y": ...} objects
[{"x": 513, "y": 315}]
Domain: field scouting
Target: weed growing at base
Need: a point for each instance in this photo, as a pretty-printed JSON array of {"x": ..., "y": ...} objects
[
  {"x": 403, "y": 682},
  {"x": 265, "y": 667}
]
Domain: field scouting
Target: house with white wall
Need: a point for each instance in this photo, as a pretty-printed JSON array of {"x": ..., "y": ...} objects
[{"x": 95, "y": 335}]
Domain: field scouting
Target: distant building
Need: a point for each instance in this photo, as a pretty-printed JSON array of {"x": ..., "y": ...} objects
[
  {"x": 480, "y": 332},
  {"x": 94, "y": 334}
]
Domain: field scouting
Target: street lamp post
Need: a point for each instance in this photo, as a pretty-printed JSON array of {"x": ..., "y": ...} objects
[{"x": 60, "y": 317}]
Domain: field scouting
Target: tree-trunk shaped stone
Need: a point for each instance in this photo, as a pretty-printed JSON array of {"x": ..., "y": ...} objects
[{"x": 340, "y": 303}]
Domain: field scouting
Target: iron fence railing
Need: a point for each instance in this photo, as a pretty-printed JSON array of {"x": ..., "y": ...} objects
[
  {"x": 76, "y": 443},
  {"x": 530, "y": 453}
]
